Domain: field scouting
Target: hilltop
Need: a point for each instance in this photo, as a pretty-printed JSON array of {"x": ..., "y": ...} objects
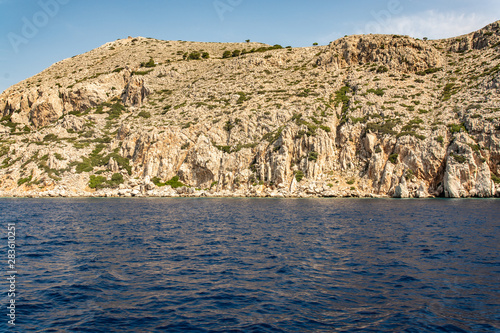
[{"x": 366, "y": 115}]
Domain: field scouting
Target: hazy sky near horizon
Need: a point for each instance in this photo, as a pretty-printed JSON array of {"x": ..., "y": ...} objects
[{"x": 34, "y": 34}]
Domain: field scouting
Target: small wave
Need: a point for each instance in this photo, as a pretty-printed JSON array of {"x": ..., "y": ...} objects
[{"x": 406, "y": 278}]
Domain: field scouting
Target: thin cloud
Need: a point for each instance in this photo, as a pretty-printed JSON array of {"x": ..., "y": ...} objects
[{"x": 430, "y": 24}]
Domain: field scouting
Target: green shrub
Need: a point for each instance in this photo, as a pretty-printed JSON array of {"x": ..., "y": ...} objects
[
  {"x": 457, "y": 128},
  {"x": 225, "y": 149},
  {"x": 115, "y": 111},
  {"x": 351, "y": 181},
  {"x": 4, "y": 150},
  {"x": 299, "y": 175},
  {"x": 144, "y": 114},
  {"x": 122, "y": 162},
  {"x": 313, "y": 156},
  {"x": 358, "y": 120},
  {"x": 97, "y": 182},
  {"x": 428, "y": 71},
  {"x": 458, "y": 158},
  {"x": 195, "y": 55},
  {"x": 228, "y": 126},
  {"x": 236, "y": 53},
  {"x": 174, "y": 182},
  {"x": 475, "y": 147},
  {"x": 59, "y": 157},
  {"x": 149, "y": 64},
  {"x": 342, "y": 98},
  {"x": 382, "y": 69},
  {"x": 96, "y": 159},
  {"x": 205, "y": 55},
  {"x": 325, "y": 128},
  {"x": 85, "y": 166},
  {"x": 409, "y": 174},
  {"x": 440, "y": 139},
  {"x": 240, "y": 146},
  {"x": 24, "y": 180},
  {"x": 378, "y": 92},
  {"x": 243, "y": 97},
  {"x": 142, "y": 72},
  {"x": 50, "y": 137},
  {"x": 448, "y": 91},
  {"x": 495, "y": 178},
  {"x": 385, "y": 128},
  {"x": 393, "y": 158},
  {"x": 304, "y": 93},
  {"x": 272, "y": 137},
  {"x": 116, "y": 180},
  {"x": 226, "y": 54}
]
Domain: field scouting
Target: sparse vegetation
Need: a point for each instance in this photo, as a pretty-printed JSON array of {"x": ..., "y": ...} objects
[
  {"x": 382, "y": 69},
  {"x": 299, "y": 175},
  {"x": 379, "y": 92},
  {"x": 144, "y": 114},
  {"x": 458, "y": 158},
  {"x": 173, "y": 182},
  {"x": 151, "y": 63},
  {"x": 448, "y": 91},
  {"x": 384, "y": 128},
  {"x": 99, "y": 182},
  {"x": 393, "y": 158},
  {"x": 263, "y": 106},
  {"x": 495, "y": 178},
  {"x": 195, "y": 55},
  {"x": 313, "y": 156},
  {"x": 429, "y": 71},
  {"x": 457, "y": 128}
]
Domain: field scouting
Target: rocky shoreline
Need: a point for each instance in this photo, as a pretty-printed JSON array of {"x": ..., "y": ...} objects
[{"x": 149, "y": 190}]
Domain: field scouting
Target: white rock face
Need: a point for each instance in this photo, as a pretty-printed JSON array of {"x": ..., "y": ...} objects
[
  {"x": 402, "y": 190},
  {"x": 365, "y": 116}
]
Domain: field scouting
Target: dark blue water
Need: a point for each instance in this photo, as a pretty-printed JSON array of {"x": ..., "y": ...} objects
[{"x": 254, "y": 265}]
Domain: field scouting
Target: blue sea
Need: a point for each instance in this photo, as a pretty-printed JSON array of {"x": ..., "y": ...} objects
[{"x": 253, "y": 265}]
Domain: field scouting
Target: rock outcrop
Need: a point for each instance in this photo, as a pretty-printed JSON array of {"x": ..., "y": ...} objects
[{"x": 365, "y": 116}]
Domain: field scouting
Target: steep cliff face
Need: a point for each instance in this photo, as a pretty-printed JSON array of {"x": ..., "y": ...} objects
[
  {"x": 396, "y": 52},
  {"x": 372, "y": 115}
]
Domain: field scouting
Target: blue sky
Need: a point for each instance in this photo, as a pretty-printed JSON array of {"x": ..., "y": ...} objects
[{"x": 37, "y": 33}]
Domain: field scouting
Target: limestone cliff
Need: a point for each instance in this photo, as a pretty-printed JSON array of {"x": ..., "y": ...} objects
[{"x": 367, "y": 115}]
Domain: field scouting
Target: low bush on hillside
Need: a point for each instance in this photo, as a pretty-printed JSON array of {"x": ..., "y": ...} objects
[
  {"x": 174, "y": 182},
  {"x": 99, "y": 182},
  {"x": 299, "y": 175},
  {"x": 393, "y": 158}
]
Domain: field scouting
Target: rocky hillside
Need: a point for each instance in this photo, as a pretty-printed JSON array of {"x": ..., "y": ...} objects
[{"x": 367, "y": 115}]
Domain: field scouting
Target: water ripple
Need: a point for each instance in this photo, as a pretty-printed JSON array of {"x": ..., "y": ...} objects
[{"x": 253, "y": 265}]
